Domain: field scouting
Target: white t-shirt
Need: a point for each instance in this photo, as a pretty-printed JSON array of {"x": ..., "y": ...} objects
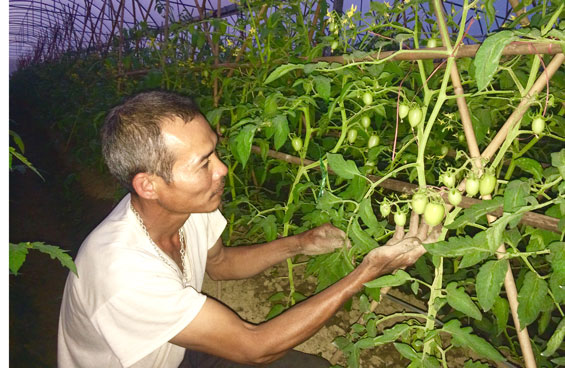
[{"x": 127, "y": 303}]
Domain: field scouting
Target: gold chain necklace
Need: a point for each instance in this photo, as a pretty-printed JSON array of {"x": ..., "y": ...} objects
[{"x": 185, "y": 278}]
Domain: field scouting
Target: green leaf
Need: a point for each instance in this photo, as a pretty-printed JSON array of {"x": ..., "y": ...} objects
[
  {"x": 473, "y": 213},
  {"x": 24, "y": 160},
  {"x": 391, "y": 334},
  {"x": 556, "y": 339},
  {"x": 557, "y": 286},
  {"x": 459, "y": 246},
  {"x": 532, "y": 291},
  {"x": 406, "y": 351},
  {"x": 18, "y": 140},
  {"x": 327, "y": 201},
  {"x": 489, "y": 282},
  {"x": 345, "y": 169},
  {"x": 459, "y": 300},
  {"x": 18, "y": 254},
  {"x": 282, "y": 70},
  {"x": 329, "y": 268},
  {"x": 488, "y": 56},
  {"x": 462, "y": 337},
  {"x": 214, "y": 116},
  {"x": 269, "y": 225},
  {"x": 361, "y": 239},
  {"x": 323, "y": 86},
  {"x": 557, "y": 257},
  {"x": 275, "y": 311},
  {"x": 368, "y": 216},
  {"x": 399, "y": 278},
  {"x": 56, "y": 253},
  {"x": 558, "y": 160},
  {"x": 515, "y": 195},
  {"x": 280, "y": 123},
  {"x": 501, "y": 310},
  {"x": 531, "y": 166},
  {"x": 241, "y": 145}
]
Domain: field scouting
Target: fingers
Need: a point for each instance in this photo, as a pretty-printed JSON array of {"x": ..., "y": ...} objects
[
  {"x": 434, "y": 234},
  {"x": 423, "y": 231},
  {"x": 414, "y": 222}
]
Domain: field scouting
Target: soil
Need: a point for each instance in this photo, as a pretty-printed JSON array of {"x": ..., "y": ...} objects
[{"x": 65, "y": 207}]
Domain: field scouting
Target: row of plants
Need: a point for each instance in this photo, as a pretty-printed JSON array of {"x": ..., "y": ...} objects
[{"x": 330, "y": 133}]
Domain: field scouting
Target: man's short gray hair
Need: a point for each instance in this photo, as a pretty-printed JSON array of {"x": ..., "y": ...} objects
[{"x": 131, "y": 135}]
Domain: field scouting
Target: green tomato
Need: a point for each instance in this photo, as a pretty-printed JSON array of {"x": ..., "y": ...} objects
[
  {"x": 403, "y": 111},
  {"x": 448, "y": 178},
  {"x": 454, "y": 196},
  {"x": 352, "y": 135},
  {"x": 385, "y": 209},
  {"x": 400, "y": 218},
  {"x": 461, "y": 137},
  {"x": 374, "y": 140},
  {"x": 367, "y": 98},
  {"x": 431, "y": 43},
  {"x": 433, "y": 215},
  {"x": 444, "y": 150},
  {"x": 333, "y": 27},
  {"x": 487, "y": 184},
  {"x": 472, "y": 186},
  {"x": 334, "y": 45},
  {"x": 538, "y": 124},
  {"x": 205, "y": 73},
  {"x": 297, "y": 143},
  {"x": 365, "y": 121},
  {"x": 419, "y": 202},
  {"x": 415, "y": 116}
]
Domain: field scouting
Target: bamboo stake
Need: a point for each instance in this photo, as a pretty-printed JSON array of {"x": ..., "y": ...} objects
[
  {"x": 520, "y": 13},
  {"x": 509, "y": 283},
  {"x": 527, "y": 100},
  {"x": 316, "y": 15}
]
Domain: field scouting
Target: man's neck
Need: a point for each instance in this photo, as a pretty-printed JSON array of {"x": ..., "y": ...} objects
[{"x": 162, "y": 225}]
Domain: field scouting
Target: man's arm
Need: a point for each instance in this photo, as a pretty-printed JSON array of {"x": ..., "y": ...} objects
[
  {"x": 217, "y": 330},
  {"x": 232, "y": 263}
]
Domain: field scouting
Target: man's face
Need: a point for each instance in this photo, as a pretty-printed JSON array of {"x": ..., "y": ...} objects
[{"x": 198, "y": 174}]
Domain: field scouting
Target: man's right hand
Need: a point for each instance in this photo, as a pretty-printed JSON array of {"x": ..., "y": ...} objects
[{"x": 402, "y": 250}]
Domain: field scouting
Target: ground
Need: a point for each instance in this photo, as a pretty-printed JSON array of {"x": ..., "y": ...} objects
[{"x": 65, "y": 207}]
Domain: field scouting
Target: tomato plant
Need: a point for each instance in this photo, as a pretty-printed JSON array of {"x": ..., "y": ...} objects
[{"x": 287, "y": 98}]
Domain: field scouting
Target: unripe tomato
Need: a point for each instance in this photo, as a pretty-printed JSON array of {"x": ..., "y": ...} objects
[
  {"x": 365, "y": 121},
  {"x": 431, "y": 43},
  {"x": 367, "y": 98},
  {"x": 222, "y": 130},
  {"x": 444, "y": 150},
  {"x": 454, "y": 196},
  {"x": 334, "y": 45},
  {"x": 403, "y": 110},
  {"x": 332, "y": 27},
  {"x": 205, "y": 73},
  {"x": 297, "y": 143},
  {"x": 400, "y": 218},
  {"x": 461, "y": 137},
  {"x": 374, "y": 140},
  {"x": 538, "y": 125},
  {"x": 448, "y": 178},
  {"x": 419, "y": 202},
  {"x": 352, "y": 135},
  {"x": 415, "y": 116},
  {"x": 385, "y": 209},
  {"x": 487, "y": 183},
  {"x": 472, "y": 186},
  {"x": 433, "y": 215}
]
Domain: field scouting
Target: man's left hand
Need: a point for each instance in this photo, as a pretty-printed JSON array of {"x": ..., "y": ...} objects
[{"x": 322, "y": 239}]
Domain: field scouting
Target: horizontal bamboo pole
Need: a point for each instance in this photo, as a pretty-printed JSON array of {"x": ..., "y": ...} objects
[
  {"x": 514, "y": 48},
  {"x": 529, "y": 218}
]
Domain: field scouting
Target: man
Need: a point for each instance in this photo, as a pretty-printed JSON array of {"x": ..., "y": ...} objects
[{"x": 137, "y": 299}]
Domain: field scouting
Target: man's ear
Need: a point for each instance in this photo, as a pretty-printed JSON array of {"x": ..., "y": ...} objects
[{"x": 144, "y": 185}]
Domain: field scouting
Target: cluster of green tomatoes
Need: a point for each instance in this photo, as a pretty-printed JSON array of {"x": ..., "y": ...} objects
[{"x": 429, "y": 203}]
